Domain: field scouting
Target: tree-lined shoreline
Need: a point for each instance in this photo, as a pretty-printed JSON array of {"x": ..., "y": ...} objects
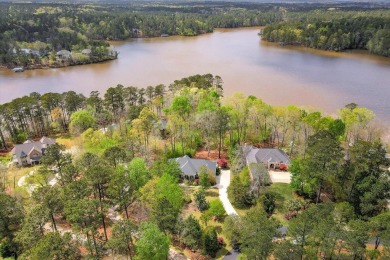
[{"x": 33, "y": 34}]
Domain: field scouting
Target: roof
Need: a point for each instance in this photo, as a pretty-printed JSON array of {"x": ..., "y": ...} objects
[
  {"x": 47, "y": 140},
  {"x": 22, "y": 150},
  {"x": 86, "y": 51},
  {"x": 63, "y": 52},
  {"x": 191, "y": 166},
  {"x": 262, "y": 155}
]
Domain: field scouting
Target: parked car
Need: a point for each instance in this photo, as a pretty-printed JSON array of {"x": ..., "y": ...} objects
[{"x": 283, "y": 167}]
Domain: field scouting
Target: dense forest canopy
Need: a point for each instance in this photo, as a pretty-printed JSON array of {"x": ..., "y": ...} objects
[{"x": 334, "y": 29}]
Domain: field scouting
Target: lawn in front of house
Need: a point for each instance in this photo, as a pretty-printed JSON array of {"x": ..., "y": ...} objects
[{"x": 283, "y": 192}]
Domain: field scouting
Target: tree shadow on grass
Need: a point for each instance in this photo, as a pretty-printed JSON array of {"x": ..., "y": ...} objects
[
  {"x": 222, "y": 252},
  {"x": 218, "y": 229}
]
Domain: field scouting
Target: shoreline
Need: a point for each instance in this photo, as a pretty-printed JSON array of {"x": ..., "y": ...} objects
[
  {"x": 118, "y": 42},
  {"x": 356, "y": 54},
  {"x": 56, "y": 66},
  {"x": 349, "y": 53}
]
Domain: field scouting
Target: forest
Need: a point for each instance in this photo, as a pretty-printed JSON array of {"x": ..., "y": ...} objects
[
  {"x": 334, "y": 30},
  {"x": 117, "y": 193}
]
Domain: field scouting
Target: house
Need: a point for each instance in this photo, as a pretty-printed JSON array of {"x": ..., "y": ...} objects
[
  {"x": 86, "y": 51},
  {"x": 30, "y": 152},
  {"x": 63, "y": 54},
  {"x": 109, "y": 129},
  {"x": 190, "y": 167},
  {"x": 111, "y": 51},
  {"x": 272, "y": 158},
  {"x": 27, "y": 51}
]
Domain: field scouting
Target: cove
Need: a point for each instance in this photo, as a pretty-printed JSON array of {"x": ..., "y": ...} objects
[{"x": 278, "y": 75}]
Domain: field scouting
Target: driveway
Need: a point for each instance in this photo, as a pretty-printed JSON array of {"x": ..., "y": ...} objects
[
  {"x": 223, "y": 182},
  {"x": 280, "y": 177},
  {"x": 232, "y": 255}
]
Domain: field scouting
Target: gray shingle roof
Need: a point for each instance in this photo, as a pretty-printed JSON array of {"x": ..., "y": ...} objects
[
  {"x": 256, "y": 155},
  {"x": 47, "y": 140},
  {"x": 190, "y": 166},
  {"x": 22, "y": 150}
]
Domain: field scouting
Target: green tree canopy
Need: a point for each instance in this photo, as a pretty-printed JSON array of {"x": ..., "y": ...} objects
[
  {"x": 152, "y": 243},
  {"x": 81, "y": 121}
]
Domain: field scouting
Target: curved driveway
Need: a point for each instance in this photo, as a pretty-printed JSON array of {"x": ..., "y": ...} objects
[{"x": 223, "y": 182}]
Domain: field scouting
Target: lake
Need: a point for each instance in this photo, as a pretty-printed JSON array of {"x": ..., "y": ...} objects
[{"x": 278, "y": 75}]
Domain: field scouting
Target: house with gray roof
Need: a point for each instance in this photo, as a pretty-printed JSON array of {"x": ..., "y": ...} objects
[
  {"x": 63, "y": 54},
  {"x": 86, "y": 51},
  {"x": 30, "y": 152},
  {"x": 190, "y": 167},
  {"x": 270, "y": 157}
]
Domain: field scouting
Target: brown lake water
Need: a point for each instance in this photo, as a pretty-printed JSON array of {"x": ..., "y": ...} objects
[{"x": 278, "y": 75}]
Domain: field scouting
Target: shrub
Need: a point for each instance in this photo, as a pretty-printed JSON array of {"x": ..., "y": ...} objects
[
  {"x": 7, "y": 248},
  {"x": 204, "y": 179},
  {"x": 200, "y": 200},
  {"x": 216, "y": 209},
  {"x": 222, "y": 163},
  {"x": 211, "y": 178},
  {"x": 268, "y": 200},
  {"x": 187, "y": 200},
  {"x": 290, "y": 215},
  {"x": 295, "y": 204},
  {"x": 221, "y": 242}
]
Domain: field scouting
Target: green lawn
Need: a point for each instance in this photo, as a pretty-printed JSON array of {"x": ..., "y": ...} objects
[
  {"x": 15, "y": 173},
  {"x": 283, "y": 193}
]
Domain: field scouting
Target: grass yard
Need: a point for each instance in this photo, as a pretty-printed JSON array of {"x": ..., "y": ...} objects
[
  {"x": 283, "y": 193},
  {"x": 69, "y": 141},
  {"x": 15, "y": 173},
  {"x": 12, "y": 176}
]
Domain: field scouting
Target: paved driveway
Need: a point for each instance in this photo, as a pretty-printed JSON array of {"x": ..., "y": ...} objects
[
  {"x": 232, "y": 255},
  {"x": 223, "y": 182},
  {"x": 279, "y": 176}
]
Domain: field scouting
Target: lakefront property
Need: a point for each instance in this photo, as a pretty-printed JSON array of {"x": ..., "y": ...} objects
[
  {"x": 271, "y": 158},
  {"x": 190, "y": 167},
  {"x": 132, "y": 172},
  {"x": 30, "y": 152}
]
